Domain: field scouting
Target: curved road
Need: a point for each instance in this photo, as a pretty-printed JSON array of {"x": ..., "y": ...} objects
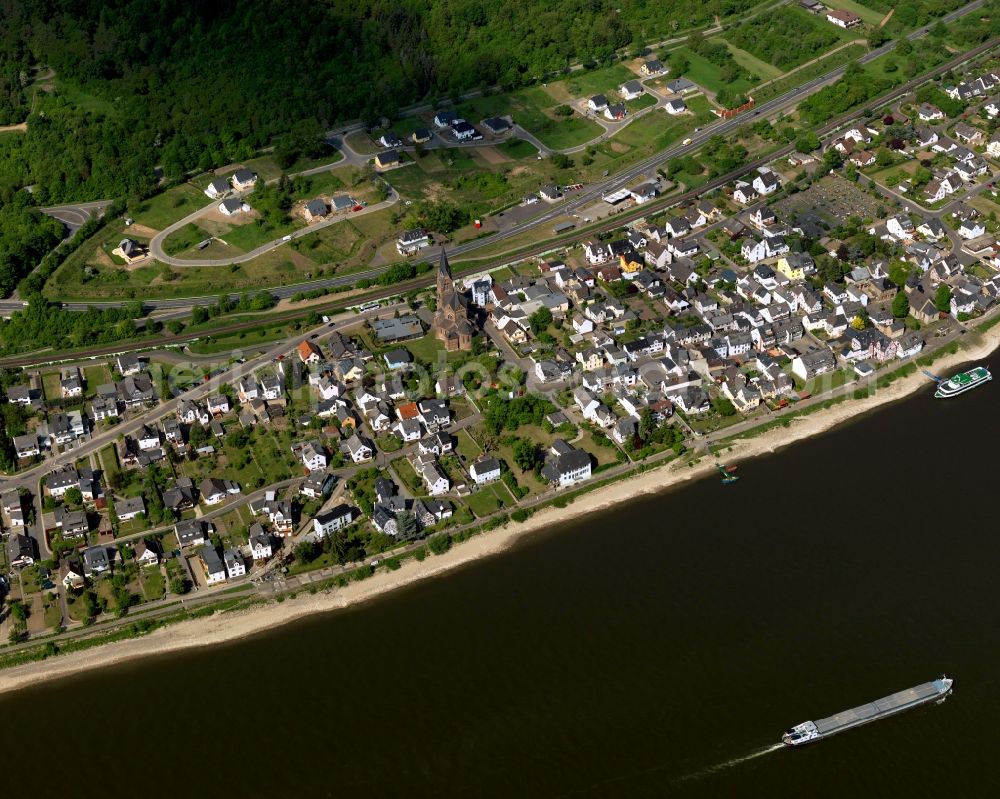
[
  {"x": 156, "y": 243},
  {"x": 594, "y": 192}
]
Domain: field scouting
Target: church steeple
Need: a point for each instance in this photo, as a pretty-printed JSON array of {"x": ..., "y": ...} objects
[{"x": 444, "y": 281}]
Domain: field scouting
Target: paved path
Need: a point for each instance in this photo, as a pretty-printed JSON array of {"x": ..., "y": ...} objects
[
  {"x": 156, "y": 243},
  {"x": 593, "y": 193},
  {"x": 74, "y": 215}
]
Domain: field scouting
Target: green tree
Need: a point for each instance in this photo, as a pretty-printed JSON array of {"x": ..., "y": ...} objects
[
  {"x": 723, "y": 406},
  {"x": 406, "y": 526},
  {"x": 525, "y": 454},
  {"x": 900, "y": 305},
  {"x": 18, "y": 611},
  {"x": 942, "y": 298},
  {"x": 540, "y": 320},
  {"x": 807, "y": 142},
  {"x": 73, "y": 497},
  {"x": 679, "y": 63},
  {"x": 306, "y": 552}
]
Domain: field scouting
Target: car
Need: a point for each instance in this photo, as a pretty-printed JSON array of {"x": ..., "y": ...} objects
[
  {"x": 313, "y": 336},
  {"x": 286, "y": 238},
  {"x": 686, "y": 142}
]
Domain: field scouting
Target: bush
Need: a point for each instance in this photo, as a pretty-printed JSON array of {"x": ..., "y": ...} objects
[{"x": 439, "y": 544}]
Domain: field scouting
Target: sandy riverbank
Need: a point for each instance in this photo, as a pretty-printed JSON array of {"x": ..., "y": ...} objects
[{"x": 236, "y": 625}]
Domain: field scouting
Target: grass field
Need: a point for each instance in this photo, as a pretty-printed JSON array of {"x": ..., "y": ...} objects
[
  {"x": 212, "y": 345},
  {"x": 488, "y": 499},
  {"x": 332, "y": 244},
  {"x": 767, "y": 37},
  {"x": 250, "y": 236},
  {"x": 518, "y": 148},
  {"x": 184, "y": 239},
  {"x": 531, "y": 108},
  {"x": 708, "y": 75},
  {"x": 164, "y": 209},
  {"x": 606, "y": 80},
  {"x": 658, "y": 130},
  {"x": 153, "y": 584},
  {"x": 480, "y": 181},
  {"x": 640, "y": 103},
  {"x": 750, "y": 62},
  {"x": 466, "y": 447}
]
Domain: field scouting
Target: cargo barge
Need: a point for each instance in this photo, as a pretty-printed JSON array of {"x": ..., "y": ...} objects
[{"x": 809, "y": 731}]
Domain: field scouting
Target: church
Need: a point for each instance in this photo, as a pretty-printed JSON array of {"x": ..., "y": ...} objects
[{"x": 452, "y": 324}]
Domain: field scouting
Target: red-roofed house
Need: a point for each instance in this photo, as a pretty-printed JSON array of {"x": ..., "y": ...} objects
[
  {"x": 408, "y": 410},
  {"x": 309, "y": 353},
  {"x": 843, "y": 19}
]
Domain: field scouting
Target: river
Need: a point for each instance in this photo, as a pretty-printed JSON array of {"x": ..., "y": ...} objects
[{"x": 655, "y": 650}]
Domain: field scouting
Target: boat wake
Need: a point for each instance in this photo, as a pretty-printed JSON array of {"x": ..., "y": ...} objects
[
  {"x": 602, "y": 786},
  {"x": 733, "y": 762}
]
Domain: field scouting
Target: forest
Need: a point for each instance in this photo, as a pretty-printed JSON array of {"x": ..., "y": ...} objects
[
  {"x": 186, "y": 86},
  {"x": 25, "y": 237},
  {"x": 44, "y": 324}
]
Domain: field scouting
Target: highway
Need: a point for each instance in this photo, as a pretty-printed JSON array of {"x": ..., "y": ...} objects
[
  {"x": 593, "y": 193},
  {"x": 180, "y": 305},
  {"x": 697, "y": 140}
]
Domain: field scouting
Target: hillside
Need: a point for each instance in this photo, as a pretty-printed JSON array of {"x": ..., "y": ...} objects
[{"x": 144, "y": 83}]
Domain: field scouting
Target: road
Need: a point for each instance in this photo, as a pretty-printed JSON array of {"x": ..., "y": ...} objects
[
  {"x": 698, "y": 139},
  {"x": 594, "y": 192},
  {"x": 75, "y": 215},
  {"x": 29, "y": 478},
  {"x": 156, "y": 243},
  {"x": 284, "y": 292}
]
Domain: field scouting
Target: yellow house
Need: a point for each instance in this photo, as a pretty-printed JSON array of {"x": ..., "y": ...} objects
[
  {"x": 795, "y": 265},
  {"x": 629, "y": 266}
]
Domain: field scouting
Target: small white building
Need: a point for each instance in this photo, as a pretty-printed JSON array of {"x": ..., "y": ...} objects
[
  {"x": 326, "y": 523},
  {"x": 485, "y": 470}
]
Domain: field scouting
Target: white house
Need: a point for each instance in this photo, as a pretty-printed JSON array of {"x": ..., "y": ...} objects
[
  {"x": 211, "y": 563},
  {"x": 213, "y": 491},
  {"x": 971, "y": 229},
  {"x": 597, "y": 103},
  {"x": 234, "y": 206},
  {"x": 842, "y": 19},
  {"x": 410, "y": 241},
  {"x": 485, "y": 470},
  {"x": 631, "y": 90},
  {"x": 217, "y": 188},
  {"x": 313, "y": 456},
  {"x": 260, "y": 542},
  {"x": 359, "y": 449},
  {"x": 235, "y": 565},
  {"x": 435, "y": 480},
  {"x": 566, "y": 465},
  {"x": 900, "y": 228},
  {"x": 243, "y": 179},
  {"x": 766, "y": 182},
  {"x": 326, "y": 523}
]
